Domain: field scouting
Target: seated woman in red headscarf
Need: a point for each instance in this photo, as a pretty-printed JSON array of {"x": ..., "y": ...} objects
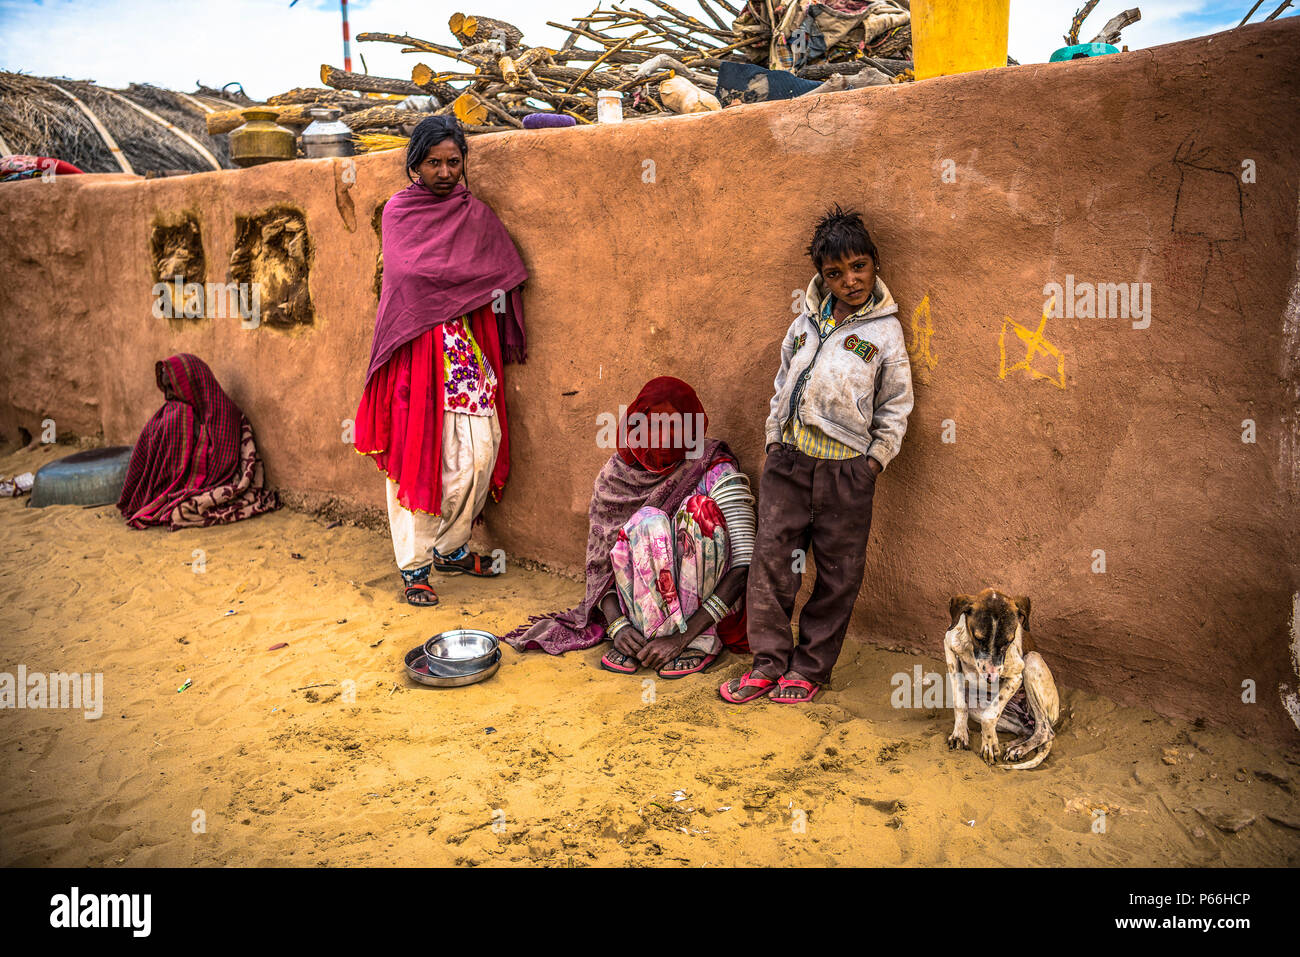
[
  {"x": 671, "y": 534},
  {"x": 195, "y": 462}
]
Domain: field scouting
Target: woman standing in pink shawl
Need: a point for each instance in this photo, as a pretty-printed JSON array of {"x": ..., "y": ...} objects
[{"x": 433, "y": 413}]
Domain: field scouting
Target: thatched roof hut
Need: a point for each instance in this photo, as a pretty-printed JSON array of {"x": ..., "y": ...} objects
[{"x": 142, "y": 129}]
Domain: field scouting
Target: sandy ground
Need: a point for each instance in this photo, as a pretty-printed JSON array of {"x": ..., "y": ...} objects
[{"x": 552, "y": 761}]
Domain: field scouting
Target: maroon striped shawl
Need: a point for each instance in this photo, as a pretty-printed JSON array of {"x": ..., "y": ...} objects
[{"x": 195, "y": 462}]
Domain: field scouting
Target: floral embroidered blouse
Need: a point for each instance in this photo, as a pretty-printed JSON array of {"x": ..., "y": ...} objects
[{"x": 470, "y": 383}]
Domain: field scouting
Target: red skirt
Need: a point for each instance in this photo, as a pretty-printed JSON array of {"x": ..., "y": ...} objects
[{"x": 399, "y": 420}]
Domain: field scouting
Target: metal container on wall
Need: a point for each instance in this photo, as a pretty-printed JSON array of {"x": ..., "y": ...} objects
[
  {"x": 959, "y": 36},
  {"x": 327, "y": 135},
  {"x": 260, "y": 139}
]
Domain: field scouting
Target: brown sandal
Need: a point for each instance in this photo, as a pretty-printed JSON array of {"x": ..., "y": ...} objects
[{"x": 455, "y": 568}]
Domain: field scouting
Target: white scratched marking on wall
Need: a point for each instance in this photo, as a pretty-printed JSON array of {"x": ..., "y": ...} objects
[
  {"x": 1289, "y": 446},
  {"x": 1289, "y": 453},
  {"x": 1291, "y": 699}
]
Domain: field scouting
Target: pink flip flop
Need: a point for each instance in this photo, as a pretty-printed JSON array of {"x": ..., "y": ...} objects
[
  {"x": 761, "y": 686},
  {"x": 631, "y": 667},
  {"x": 783, "y": 682},
  {"x": 703, "y": 665}
]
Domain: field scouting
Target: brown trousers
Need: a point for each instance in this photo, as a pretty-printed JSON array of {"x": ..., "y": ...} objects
[{"x": 804, "y": 503}]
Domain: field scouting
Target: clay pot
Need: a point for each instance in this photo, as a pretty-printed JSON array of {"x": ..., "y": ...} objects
[{"x": 260, "y": 139}]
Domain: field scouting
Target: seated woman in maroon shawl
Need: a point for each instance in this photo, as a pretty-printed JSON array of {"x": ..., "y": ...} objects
[
  {"x": 668, "y": 549},
  {"x": 433, "y": 414},
  {"x": 195, "y": 462}
]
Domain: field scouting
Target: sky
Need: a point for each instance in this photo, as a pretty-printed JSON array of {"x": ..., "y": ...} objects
[{"x": 269, "y": 47}]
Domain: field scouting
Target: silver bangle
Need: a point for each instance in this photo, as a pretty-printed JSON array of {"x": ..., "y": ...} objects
[
  {"x": 617, "y": 625},
  {"x": 716, "y": 608}
]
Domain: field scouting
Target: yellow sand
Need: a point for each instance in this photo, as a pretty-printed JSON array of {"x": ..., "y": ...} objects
[{"x": 582, "y": 766}]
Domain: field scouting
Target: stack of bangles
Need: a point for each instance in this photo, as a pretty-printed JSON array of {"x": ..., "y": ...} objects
[
  {"x": 617, "y": 625},
  {"x": 716, "y": 607}
]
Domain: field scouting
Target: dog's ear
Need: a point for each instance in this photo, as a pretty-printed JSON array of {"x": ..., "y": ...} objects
[
  {"x": 960, "y": 605},
  {"x": 1022, "y": 610}
]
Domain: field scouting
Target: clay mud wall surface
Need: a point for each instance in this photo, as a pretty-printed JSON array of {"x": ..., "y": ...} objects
[{"x": 674, "y": 247}]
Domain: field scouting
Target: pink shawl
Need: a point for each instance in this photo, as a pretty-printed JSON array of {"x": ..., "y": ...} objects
[{"x": 443, "y": 258}]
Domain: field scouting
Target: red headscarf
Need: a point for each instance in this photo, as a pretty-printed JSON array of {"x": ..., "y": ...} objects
[
  {"x": 655, "y": 443},
  {"x": 193, "y": 445}
]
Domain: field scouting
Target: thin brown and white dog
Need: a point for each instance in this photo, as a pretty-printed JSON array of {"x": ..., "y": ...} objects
[{"x": 991, "y": 657}]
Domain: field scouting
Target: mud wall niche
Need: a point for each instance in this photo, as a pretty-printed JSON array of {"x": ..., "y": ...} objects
[{"x": 273, "y": 250}]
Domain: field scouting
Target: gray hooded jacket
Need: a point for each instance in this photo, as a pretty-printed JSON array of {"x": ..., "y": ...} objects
[{"x": 859, "y": 385}]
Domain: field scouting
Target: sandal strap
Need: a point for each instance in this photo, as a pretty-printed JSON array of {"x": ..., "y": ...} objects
[
  {"x": 783, "y": 682},
  {"x": 421, "y": 586},
  {"x": 747, "y": 680}
]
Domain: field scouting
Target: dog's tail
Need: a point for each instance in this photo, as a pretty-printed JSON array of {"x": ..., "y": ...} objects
[{"x": 1033, "y": 762}]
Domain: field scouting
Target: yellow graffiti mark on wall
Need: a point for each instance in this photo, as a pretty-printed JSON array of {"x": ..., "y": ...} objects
[
  {"x": 1034, "y": 342},
  {"x": 922, "y": 357}
]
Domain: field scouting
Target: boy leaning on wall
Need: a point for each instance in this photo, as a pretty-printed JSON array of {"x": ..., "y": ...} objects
[{"x": 842, "y": 397}]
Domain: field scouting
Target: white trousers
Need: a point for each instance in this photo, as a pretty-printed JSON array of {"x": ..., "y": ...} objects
[{"x": 469, "y": 453}]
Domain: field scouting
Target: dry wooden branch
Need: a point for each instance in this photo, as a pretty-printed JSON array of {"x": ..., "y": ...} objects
[
  {"x": 1258, "y": 4},
  {"x": 627, "y": 55},
  {"x": 684, "y": 39},
  {"x": 681, "y": 17},
  {"x": 426, "y": 81},
  {"x": 722, "y": 24},
  {"x": 643, "y": 80},
  {"x": 472, "y": 108},
  {"x": 824, "y": 71},
  {"x": 1110, "y": 32},
  {"x": 378, "y": 117},
  {"x": 610, "y": 52},
  {"x": 416, "y": 45},
  {"x": 748, "y": 41},
  {"x": 1278, "y": 12},
  {"x": 469, "y": 29},
  {"x": 361, "y": 83},
  {"x": 1076, "y": 24}
]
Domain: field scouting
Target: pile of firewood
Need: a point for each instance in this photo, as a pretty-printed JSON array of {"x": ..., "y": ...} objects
[
  {"x": 622, "y": 49},
  {"x": 497, "y": 79}
]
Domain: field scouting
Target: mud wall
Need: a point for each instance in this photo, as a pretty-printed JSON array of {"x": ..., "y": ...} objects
[{"x": 1038, "y": 450}]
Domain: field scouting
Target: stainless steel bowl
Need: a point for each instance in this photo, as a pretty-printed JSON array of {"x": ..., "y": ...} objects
[
  {"x": 417, "y": 669},
  {"x": 460, "y": 652}
]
